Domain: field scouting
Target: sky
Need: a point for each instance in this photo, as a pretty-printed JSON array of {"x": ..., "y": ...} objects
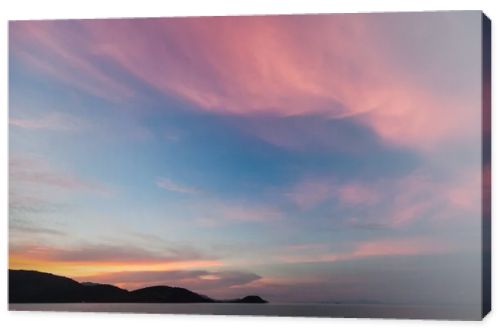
[{"x": 304, "y": 158}]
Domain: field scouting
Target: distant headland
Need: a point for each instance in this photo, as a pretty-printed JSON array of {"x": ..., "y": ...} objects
[{"x": 26, "y": 286}]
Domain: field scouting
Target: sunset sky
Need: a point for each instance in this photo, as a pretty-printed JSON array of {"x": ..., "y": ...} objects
[{"x": 312, "y": 158}]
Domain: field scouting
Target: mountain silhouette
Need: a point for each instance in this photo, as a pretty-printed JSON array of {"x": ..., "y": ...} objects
[{"x": 26, "y": 286}]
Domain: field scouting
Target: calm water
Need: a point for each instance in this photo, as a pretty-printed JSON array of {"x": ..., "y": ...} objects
[{"x": 471, "y": 312}]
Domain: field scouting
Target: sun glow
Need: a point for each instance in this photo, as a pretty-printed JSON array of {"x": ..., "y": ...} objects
[{"x": 75, "y": 269}]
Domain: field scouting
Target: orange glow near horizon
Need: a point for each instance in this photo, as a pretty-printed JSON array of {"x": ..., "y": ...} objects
[{"x": 90, "y": 268}]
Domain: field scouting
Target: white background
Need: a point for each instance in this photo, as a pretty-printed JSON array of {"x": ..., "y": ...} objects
[{"x": 12, "y": 322}]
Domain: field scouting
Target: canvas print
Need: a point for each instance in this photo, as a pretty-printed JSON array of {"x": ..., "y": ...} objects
[{"x": 332, "y": 165}]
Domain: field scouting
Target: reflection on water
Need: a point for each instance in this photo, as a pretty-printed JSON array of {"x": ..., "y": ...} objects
[{"x": 465, "y": 312}]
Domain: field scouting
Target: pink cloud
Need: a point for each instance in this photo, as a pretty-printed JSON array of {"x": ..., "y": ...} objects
[
  {"x": 365, "y": 249},
  {"x": 399, "y": 247},
  {"x": 227, "y": 74},
  {"x": 286, "y": 66},
  {"x": 419, "y": 198}
]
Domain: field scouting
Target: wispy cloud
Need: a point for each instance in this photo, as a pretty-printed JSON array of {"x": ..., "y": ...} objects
[
  {"x": 420, "y": 197},
  {"x": 249, "y": 213},
  {"x": 172, "y": 186},
  {"x": 216, "y": 213},
  {"x": 406, "y": 246},
  {"x": 45, "y": 47},
  {"x": 48, "y": 121},
  {"x": 31, "y": 230},
  {"x": 37, "y": 172},
  {"x": 423, "y": 198},
  {"x": 279, "y": 69}
]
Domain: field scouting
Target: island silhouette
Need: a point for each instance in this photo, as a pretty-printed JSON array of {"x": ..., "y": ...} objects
[{"x": 28, "y": 286}]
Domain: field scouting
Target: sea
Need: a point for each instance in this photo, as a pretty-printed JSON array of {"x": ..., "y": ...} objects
[{"x": 446, "y": 312}]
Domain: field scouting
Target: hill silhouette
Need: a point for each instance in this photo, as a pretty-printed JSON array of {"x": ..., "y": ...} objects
[
  {"x": 167, "y": 294},
  {"x": 26, "y": 286}
]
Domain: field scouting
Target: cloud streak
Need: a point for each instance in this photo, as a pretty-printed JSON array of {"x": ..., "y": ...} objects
[
  {"x": 170, "y": 185},
  {"x": 46, "y": 48},
  {"x": 92, "y": 259},
  {"x": 218, "y": 212},
  {"x": 49, "y": 121},
  {"x": 409, "y": 246},
  {"x": 39, "y": 173},
  {"x": 25, "y": 229}
]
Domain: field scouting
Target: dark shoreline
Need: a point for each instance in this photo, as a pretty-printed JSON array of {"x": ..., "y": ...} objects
[{"x": 26, "y": 286}]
